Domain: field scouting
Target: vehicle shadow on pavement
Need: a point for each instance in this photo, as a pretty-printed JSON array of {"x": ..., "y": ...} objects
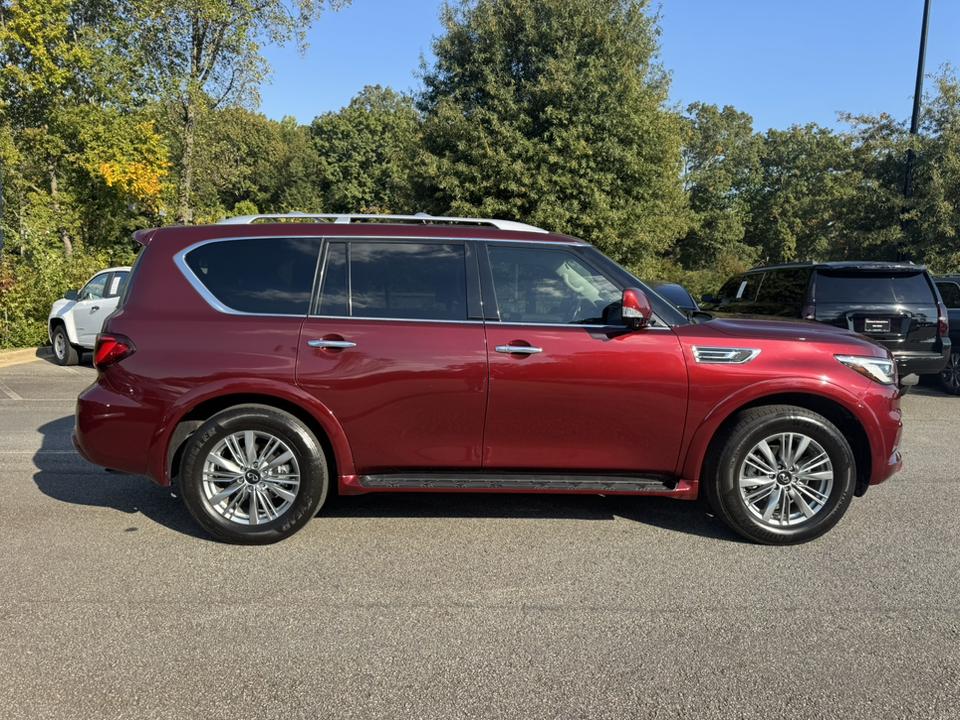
[
  {"x": 679, "y": 516},
  {"x": 63, "y": 475}
]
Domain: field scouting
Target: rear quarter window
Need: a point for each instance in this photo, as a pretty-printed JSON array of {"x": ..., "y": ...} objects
[
  {"x": 264, "y": 276},
  {"x": 784, "y": 291},
  {"x": 950, "y": 292}
]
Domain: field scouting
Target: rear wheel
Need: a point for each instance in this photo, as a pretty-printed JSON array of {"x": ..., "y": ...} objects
[
  {"x": 63, "y": 352},
  {"x": 950, "y": 375},
  {"x": 253, "y": 475},
  {"x": 780, "y": 475}
]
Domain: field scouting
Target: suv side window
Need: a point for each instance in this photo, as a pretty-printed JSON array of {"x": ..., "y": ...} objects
[
  {"x": 950, "y": 292},
  {"x": 397, "y": 280},
  {"x": 784, "y": 291},
  {"x": 264, "y": 276},
  {"x": 742, "y": 288},
  {"x": 547, "y": 285},
  {"x": 93, "y": 290}
]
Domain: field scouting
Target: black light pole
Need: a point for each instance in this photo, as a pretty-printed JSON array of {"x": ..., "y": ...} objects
[{"x": 917, "y": 96}]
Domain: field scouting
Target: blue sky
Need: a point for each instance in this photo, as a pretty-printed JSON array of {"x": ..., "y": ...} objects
[{"x": 784, "y": 62}]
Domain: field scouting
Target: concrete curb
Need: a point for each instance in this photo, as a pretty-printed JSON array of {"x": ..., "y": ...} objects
[{"x": 26, "y": 355}]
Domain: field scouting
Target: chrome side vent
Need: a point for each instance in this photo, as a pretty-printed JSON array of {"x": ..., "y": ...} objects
[{"x": 728, "y": 356}]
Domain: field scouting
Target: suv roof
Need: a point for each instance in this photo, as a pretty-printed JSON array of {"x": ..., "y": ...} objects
[
  {"x": 345, "y": 219},
  {"x": 401, "y": 226},
  {"x": 845, "y": 265}
]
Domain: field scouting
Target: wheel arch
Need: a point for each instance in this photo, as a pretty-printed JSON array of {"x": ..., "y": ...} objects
[
  {"x": 198, "y": 414},
  {"x": 67, "y": 322},
  {"x": 841, "y": 416}
]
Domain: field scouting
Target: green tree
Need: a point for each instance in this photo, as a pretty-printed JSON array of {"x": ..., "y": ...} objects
[
  {"x": 933, "y": 227},
  {"x": 806, "y": 180},
  {"x": 366, "y": 152},
  {"x": 86, "y": 150},
  {"x": 205, "y": 55},
  {"x": 553, "y": 112},
  {"x": 248, "y": 162},
  {"x": 721, "y": 161}
]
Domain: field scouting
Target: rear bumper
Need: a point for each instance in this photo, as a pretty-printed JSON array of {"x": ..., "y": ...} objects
[
  {"x": 923, "y": 363},
  {"x": 112, "y": 431}
]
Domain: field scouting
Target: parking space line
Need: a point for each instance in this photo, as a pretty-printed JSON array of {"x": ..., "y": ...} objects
[{"x": 5, "y": 389}]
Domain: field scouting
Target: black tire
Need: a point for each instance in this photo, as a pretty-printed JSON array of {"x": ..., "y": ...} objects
[
  {"x": 234, "y": 500},
  {"x": 804, "y": 469},
  {"x": 950, "y": 375},
  {"x": 63, "y": 352}
]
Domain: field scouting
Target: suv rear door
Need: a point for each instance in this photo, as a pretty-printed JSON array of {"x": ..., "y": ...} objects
[
  {"x": 395, "y": 349},
  {"x": 897, "y": 308}
]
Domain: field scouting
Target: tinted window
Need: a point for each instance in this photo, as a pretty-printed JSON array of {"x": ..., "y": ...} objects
[
  {"x": 260, "y": 275},
  {"x": 876, "y": 288},
  {"x": 402, "y": 280},
  {"x": 117, "y": 281},
  {"x": 741, "y": 287},
  {"x": 93, "y": 290},
  {"x": 786, "y": 288},
  {"x": 536, "y": 285},
  {"x": 950, "y": 292}
]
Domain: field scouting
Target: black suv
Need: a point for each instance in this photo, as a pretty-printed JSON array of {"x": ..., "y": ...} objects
[
  {"x": 949, "y": 287},
  {"x": 895, "y": 304}
]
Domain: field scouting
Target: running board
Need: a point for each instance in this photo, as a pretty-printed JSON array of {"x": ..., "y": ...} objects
[{"x": 504, "y": 481}]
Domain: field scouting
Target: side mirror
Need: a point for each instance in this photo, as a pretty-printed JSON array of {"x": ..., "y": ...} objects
[
  {"x": 636, "y": 309},
  {"x": 71, "y": 295},
  {"x": 707, "y": 298}
]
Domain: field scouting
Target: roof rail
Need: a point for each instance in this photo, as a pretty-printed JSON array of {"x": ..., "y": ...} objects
[{"x": 421, "y": 218}]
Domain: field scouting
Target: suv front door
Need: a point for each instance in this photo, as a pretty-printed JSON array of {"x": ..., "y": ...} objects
[
  {"x": 395, "y": 349},
  {"x": 568, "y": 389}
]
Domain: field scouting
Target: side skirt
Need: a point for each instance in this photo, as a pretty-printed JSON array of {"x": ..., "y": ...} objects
[{"x": 521, "y": 482}]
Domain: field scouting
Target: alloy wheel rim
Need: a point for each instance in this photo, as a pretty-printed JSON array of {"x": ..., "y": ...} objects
[
  {"x": 250, "y": 478},
  {"x": 950, "y": 375},
  {"x": 786, "y": 479}
]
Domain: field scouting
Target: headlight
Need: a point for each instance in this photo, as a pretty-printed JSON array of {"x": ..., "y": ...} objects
[{"x": 880, "y": 370}]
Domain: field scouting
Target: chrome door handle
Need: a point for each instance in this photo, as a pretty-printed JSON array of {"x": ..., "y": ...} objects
[
  {"x": 331, "y": 344},
  {"x": 518, "y": 349}
]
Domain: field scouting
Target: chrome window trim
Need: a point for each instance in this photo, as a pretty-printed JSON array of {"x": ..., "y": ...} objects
[
  {"x": 180, "y": 261},
  {"x": 386, "y": 319}
]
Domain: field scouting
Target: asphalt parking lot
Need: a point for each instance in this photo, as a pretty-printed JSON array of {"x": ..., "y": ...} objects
[{"x": 114, "y": 605}]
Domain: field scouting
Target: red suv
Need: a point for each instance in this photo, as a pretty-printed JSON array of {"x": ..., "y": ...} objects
[{"x": 268, "y": 361}]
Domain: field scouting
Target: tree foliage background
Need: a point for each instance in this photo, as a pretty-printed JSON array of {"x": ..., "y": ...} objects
[{"x": 117, "y": 115}]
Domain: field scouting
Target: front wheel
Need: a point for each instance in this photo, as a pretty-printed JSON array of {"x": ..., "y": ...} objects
[
  {"x": 950, "y": 375},
  {"x": 63, "y": 352},
  {"x": 780, "y": 475},
  {"x": 253, "y": 475}
]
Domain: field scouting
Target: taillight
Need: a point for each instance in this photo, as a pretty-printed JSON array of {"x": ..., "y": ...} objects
[
  {"x": 111, "y": 349},
  {"x": 942, "y": 321}
]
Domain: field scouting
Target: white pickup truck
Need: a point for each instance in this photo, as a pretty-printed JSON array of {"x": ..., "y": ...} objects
[{"x": 76, "y": 319}]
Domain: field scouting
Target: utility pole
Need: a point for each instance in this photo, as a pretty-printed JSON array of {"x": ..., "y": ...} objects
[{"x": 917, "y": 97}]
